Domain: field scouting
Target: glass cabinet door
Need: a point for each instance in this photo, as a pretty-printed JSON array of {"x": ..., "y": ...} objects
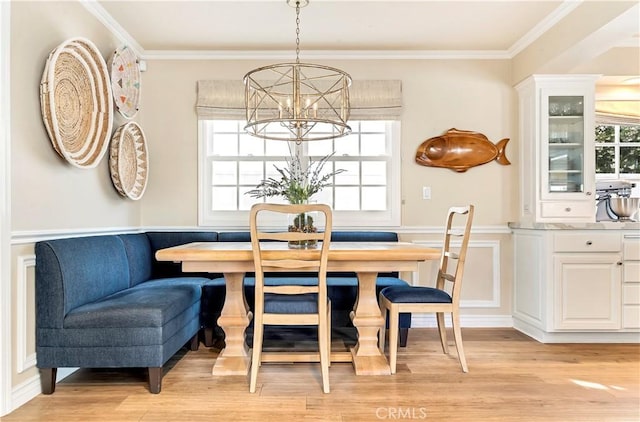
[{"x": 566, "y": 145}]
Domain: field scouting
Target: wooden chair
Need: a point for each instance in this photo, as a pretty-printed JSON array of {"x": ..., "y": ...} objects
[
  {"x": 396, "y": 299},
  {"x": 278, "y": 302}
]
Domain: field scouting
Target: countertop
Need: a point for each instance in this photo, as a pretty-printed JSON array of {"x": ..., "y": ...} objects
[{"x": 602, "y": 225}]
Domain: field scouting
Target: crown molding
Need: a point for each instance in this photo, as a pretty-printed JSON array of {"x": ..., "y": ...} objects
[
  {"x": 543, "y": 26},
  {"x": 112, "y": 25},
  {"x": 327, "y": 55}
]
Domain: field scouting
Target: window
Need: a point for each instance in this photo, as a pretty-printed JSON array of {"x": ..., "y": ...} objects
[
  {"x": 233, "y": 162},
  {"x": 617, "y": 151}
]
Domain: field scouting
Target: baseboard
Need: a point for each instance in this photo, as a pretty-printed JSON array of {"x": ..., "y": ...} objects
[
  {"x": 22, "y": 393},
  {"x": 31, "y": 388},
  {"x": 429, "y": 320},
  {"x": 576, "y": 337}
]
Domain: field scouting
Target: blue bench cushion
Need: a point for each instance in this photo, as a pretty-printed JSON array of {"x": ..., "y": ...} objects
[
  {"x": 139, "y": 316},
  {"x": 140, "y": 257},
  {"x": 138, "y": 307},
  {"x": 161, "y": 240},
  {"x": 243, "y": 236}
]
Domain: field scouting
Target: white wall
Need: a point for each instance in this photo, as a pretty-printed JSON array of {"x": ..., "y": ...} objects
[
  {"x": 437, "y": 95},
  {"x": 47, "y": 192}
]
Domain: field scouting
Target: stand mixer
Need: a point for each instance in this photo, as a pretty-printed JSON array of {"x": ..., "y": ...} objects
[{"x": 616, "y": 192}]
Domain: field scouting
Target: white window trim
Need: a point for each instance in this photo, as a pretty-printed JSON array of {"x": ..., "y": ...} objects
[{"x": 341, "y": 219}]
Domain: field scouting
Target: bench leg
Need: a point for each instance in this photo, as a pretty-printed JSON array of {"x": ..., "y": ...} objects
[
  {"x": 48, "y": 380},
  {"x": 208, "y": 336},
  {"x": 155, "y": 379},
  {"x": 194, "y": 343},
  {"x": 404, "y": 334}
]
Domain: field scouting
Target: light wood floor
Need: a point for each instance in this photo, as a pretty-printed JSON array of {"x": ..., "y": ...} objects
[{"x": 511, "y": 378}]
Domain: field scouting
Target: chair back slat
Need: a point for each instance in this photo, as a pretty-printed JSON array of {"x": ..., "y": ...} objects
[
  {"x": 291, "y": 289},
  {"x": 288, "y": 236},
  {"x": 452, "y": 263},
  {"x": 290, "y": 264}
]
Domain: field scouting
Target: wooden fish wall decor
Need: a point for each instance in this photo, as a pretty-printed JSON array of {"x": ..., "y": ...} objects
[{"x": 459, "y": 150}]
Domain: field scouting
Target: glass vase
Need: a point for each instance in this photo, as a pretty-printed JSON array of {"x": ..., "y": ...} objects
[{"x": 304, "y": 223}]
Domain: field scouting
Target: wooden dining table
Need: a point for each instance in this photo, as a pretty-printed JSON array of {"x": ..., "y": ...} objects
[{"x": 366, "y": 259}]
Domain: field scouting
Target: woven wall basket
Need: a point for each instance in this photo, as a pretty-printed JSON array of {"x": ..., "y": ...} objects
[
  {"x": 129, "y": 161},
  {"x": 76, "y": 103},
  {"x": 125, "y": 81}
]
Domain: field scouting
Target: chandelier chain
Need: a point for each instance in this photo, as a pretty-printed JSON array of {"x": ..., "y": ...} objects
[{"x": 297, "y": 32}]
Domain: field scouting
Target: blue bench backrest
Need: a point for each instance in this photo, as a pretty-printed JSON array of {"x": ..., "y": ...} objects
[{"x": 73, "y": 272}]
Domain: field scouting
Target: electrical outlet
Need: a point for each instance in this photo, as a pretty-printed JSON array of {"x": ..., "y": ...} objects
[{"x": 426, "y": 192}]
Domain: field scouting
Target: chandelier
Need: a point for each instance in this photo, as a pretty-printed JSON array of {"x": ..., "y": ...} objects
[{"x": 297, "y": 101}]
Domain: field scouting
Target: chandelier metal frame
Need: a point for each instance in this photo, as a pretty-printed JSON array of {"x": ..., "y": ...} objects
[{"x": 297, "y": 101}]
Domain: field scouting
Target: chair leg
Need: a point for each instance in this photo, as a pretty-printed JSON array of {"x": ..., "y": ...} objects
[
  {"x": 155, "y": 379},
  {"x": 48, "y": 380},
  {"x": 329, "y": 330},
  {"x": 258, "y": 332},
  {"x": 324, "y": 347},
  {"x": 383, "y": 330},
  {"x": 404, "y": 335},
  {"x": 394, "y": 321},
  {"x": 457, "y": 334},
  {"x": 442, "y": 330}
]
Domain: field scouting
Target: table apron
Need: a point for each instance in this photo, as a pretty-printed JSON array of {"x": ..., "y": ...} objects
[{"x": 246, "y": 266}]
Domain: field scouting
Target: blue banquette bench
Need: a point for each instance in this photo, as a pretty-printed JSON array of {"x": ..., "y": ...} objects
[{"x": 106, "y": 302}]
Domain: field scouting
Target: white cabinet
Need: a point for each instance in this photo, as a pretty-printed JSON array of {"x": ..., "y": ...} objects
[
  {"x": 575, "y": 285},
  {"x": 556, "y": 130},
  {"x": 587, "y": 291},
  {"x": 631, "y": 281}
]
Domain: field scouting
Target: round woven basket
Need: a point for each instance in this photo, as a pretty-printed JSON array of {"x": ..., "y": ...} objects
[
  {"x": 129, "y": 161},
  {"x": 76, "y": 103},
  {"x": 125, "y": 81}
]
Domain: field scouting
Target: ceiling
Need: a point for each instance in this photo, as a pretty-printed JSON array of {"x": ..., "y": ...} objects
[
  {"x": 236, "y": 29},
  {"x": 465, "y": 27}
]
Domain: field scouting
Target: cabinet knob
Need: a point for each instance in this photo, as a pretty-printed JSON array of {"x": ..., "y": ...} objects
[
  {"x": 568, "y": 209},
  {"x": 589, "y": 243},
  {"x": 619, "y": 262},
  {"x": 588, "y": 193}
]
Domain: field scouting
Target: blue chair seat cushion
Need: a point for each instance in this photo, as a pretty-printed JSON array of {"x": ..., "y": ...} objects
[
  {"x": 291, "y": 304},
  {"x": 415, "y": 294}
]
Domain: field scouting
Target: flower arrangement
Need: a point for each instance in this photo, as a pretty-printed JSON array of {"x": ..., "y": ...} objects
[{"x": 296, "y": 184}]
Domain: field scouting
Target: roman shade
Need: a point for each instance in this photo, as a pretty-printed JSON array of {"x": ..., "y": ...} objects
[
  {"x": 370, "y": 100},
  {"x": 618, "y": 112}
]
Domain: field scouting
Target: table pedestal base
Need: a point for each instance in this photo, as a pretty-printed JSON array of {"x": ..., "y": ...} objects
[
  {"x": 234, "y": 319},
  {"x": 367, "y": 318}
]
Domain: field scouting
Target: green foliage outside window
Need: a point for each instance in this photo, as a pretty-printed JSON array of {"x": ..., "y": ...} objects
[
  {"x": 605, "y": 133},
  {"x": 626, "y": 141}
]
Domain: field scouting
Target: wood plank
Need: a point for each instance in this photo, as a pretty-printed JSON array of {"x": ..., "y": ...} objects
[{"x": 511, "y": 378}]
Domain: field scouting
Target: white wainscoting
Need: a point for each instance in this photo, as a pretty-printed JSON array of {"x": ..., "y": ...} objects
[
  {"x": 25, "y": 358},
  {"x": 494, "y": 246}
]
